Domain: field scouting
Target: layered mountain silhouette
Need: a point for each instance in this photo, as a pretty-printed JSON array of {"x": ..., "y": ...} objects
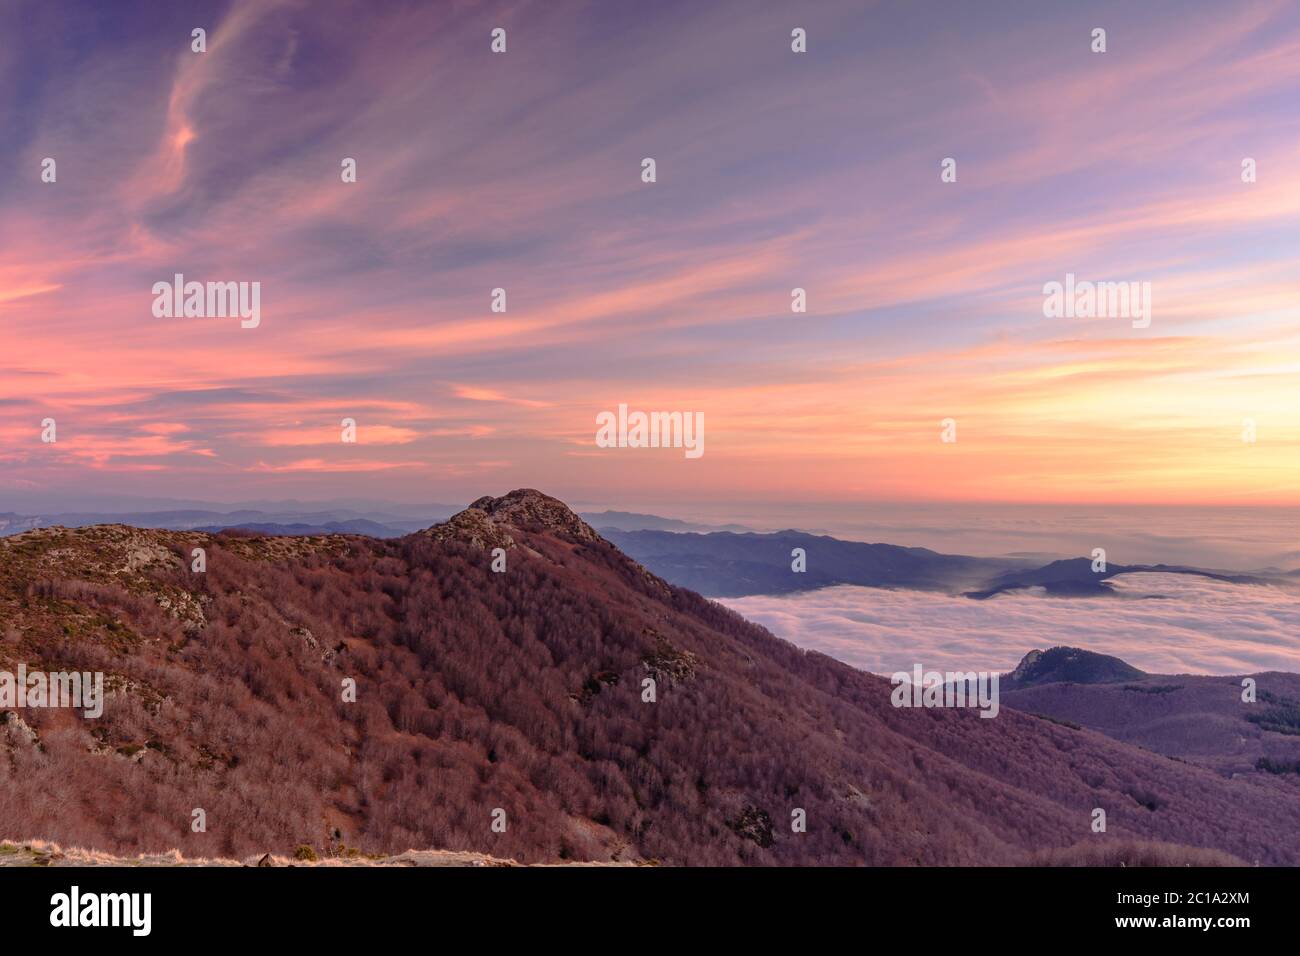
[
  {"x": 637, "y": 521},
  {"x": 725, "y": 564},
  {"x": 569, "y": 706},
  {"x": 1075, "y": 577}
]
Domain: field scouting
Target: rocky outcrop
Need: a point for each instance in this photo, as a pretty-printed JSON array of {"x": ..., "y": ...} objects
[
  {"x": 754, "y": 824},
  {"x": 667, "y": 663},
  {"x": 1072, "y": 665},
  {"x": 17, "y": 729},
  {"x": 473, "y": 527},
  {"x": 487, "y": 522}
]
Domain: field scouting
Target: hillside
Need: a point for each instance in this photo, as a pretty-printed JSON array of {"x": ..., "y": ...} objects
[
  {"x": 1195, "y": 718},
  {"x": 523, "y": 691}
]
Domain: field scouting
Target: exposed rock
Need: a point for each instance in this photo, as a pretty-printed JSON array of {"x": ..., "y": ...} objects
[
  {"x": 527, "y": 508},
  {"x": 185, "y": 607},
  {"x": 484, "y": 523},
  {"x": 753, "y": 824},
  {"x": 668, "y": 663},
  {"x": 149, "y": 554},
  {"x": 312, "y": 644},
  {"x": 473, "y": 527},
  {"x": 1070, "y": 664},
  {"x": 307, "y": 637},
  {"x": 16, "y": 728},
  {"x": 1026, "y": 665}
]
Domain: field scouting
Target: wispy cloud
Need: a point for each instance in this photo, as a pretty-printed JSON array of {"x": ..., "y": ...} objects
[{"x": 521, "y": 172}]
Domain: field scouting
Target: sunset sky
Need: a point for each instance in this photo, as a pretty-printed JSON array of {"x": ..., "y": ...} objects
[{"x": 775, "y": 170}]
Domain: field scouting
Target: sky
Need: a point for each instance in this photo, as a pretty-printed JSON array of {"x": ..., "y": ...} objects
[{"x": 774, "y": 170}]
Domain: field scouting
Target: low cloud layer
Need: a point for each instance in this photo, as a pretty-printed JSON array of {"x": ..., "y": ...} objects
[{"x": 1162, "y": 623}]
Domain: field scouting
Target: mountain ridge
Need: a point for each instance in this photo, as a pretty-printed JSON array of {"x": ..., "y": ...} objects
[{"x": 523, "y": 691}]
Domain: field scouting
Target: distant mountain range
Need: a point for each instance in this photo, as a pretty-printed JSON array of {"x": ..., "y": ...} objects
[
  {"x": 343, "y": 521},
  {"x": 716, "y": 561},
  {"x": 355, "y": 526},
  {"x": 724, "y": 564},
  {"x": 633, "y": 521},
  {"x": 1075, "y": 577},
  {"x": 599, "y": 711}
]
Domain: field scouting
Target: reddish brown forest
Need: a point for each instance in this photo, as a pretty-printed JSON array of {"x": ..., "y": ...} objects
[{"x": 522, "y": 691}]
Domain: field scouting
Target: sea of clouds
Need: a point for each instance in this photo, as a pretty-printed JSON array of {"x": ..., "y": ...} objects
[{"x": 1160, "y": 623}]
